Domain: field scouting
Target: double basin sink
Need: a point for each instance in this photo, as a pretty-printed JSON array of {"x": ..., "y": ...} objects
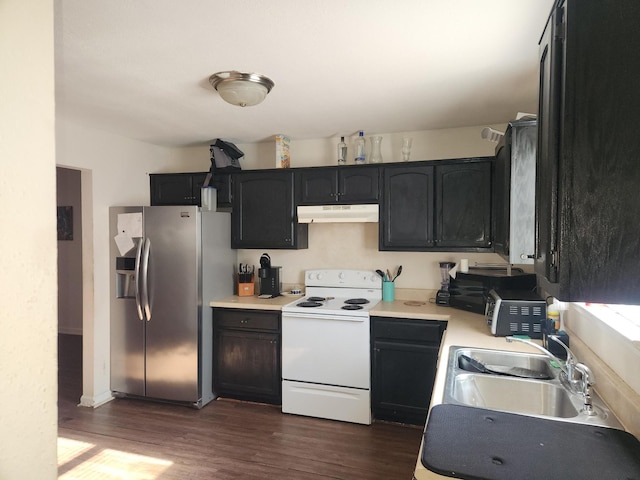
[{"x": 539, "y": 393}]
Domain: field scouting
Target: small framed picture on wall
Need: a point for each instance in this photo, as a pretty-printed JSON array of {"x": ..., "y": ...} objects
[{"x": 65, "y": 223}]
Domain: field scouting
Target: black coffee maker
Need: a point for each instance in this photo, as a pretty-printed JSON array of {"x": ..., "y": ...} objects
[{"x": 269, "y": 277}]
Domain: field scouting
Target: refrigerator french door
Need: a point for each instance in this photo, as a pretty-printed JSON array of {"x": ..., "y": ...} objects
[{"x": 161, "y": 325}]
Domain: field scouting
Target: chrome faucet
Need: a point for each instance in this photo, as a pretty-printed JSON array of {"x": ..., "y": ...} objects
[
  {"x": 565, "y": 370},
  {"x": 571, "y": 358},
  {"x": 587, "y": 382},
  {"x": 581, "y": 385}
]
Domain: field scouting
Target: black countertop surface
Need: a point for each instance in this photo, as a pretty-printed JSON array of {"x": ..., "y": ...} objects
[{"x": 474, "y": 443}]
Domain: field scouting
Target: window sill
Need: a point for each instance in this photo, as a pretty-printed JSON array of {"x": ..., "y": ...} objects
[{"x": 621, "y": 326}]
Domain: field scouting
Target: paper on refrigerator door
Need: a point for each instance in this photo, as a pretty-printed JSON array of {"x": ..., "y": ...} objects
[
  {"x": 124, "y": 243},
  {"x": 129, "y": 227},
  {"x": 130, "y": 223}
]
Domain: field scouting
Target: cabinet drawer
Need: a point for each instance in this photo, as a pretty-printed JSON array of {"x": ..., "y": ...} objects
[
  {"x": 247, "y": 319},
  {"x": 415, "y": 331}
]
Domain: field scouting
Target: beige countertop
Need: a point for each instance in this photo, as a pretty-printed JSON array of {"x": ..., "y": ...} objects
[
  {"x": 463, "y": 329},
  {"x": 254, "y": 302}
]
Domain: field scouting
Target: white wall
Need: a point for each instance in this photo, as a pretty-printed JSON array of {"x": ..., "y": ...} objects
[
  {"x": 355, "y": 246},
  {"x": 28, "y": 311},
  {"x": 427, "y": 145},
  {"x": 114, "y": 172}
]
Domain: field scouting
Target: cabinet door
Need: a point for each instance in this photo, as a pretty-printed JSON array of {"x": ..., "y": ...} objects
[
  {"x": 247, "y": 365},
  {"x": 407, "y": 208},
  {"x": 404, "y": 358},
  {"x": 358, "y": 185},
  {"x": 222, "y": 182},
  {"x": 318, "y": 186},
  {"x": 588, "y": 170},
  {"x": 463, "y": 200},
  {"x": 197, "y": 179},
  {"x": 264, "y": 212},
  {"x": 173, "y": 189},
  {"x": 343, "y": 185},
  {"x": 404, "y": 374},
  {"x": 547, "y": 154},
  {"x": 501, "y": 195}
]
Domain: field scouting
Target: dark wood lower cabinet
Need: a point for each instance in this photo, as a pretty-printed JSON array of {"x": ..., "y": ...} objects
[
  {"x": 404, "y": 359},
  {"x": 246, "y": 355}
]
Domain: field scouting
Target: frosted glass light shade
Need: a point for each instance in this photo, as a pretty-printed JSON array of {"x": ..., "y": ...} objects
[{"x": 242, "y": 89}]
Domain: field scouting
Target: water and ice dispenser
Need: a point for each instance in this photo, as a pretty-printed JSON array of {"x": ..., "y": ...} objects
[{"x": 125, "y": 277}]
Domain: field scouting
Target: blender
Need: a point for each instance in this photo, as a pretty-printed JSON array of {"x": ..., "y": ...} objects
[{"x": 442, "y": 297}]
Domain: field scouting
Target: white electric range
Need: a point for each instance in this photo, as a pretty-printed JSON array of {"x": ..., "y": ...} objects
[{"x": 326, "y": 346}]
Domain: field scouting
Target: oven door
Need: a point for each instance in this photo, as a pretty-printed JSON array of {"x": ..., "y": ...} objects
[{"x": 329, "y": 350}]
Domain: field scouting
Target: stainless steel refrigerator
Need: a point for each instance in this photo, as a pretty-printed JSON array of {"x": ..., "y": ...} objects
[{"x": 167, "y": 263}]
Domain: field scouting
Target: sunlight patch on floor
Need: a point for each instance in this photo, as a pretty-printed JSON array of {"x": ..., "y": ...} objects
[{"x": 83, "y": 461}]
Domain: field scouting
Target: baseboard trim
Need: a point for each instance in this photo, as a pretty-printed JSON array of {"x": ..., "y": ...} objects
[{"x": 95, "y": 402}]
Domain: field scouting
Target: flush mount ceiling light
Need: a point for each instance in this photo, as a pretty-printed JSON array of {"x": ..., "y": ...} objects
[{"x": 242, "y": 89}]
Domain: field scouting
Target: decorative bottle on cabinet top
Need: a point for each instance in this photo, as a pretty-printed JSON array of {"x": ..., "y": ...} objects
[
  {"x": 360, "y": 149},
  {"x": 342, "y": 152},
  {"x": 376, "y": 154}
]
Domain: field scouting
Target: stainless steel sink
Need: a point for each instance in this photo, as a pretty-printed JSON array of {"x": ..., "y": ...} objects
[
  {"x": 539, "y": 398},
  {"x": 513, "y": 395},
  {"x": 535, "y": 363}
]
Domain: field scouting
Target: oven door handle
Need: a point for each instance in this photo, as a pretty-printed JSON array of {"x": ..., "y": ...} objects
[{"x": 327, "y": 318}]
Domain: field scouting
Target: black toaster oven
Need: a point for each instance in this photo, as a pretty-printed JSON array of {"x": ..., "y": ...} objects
[{"x": 515, "y": 312}]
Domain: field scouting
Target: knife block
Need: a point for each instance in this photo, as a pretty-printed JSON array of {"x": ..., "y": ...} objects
[{"x": 246, "y": 289}]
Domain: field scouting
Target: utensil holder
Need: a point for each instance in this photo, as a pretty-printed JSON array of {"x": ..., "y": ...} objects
[{"x": 388, "y": 291}]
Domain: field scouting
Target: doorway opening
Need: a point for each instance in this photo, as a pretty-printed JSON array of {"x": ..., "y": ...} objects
[{"x": 70, "y": 284}]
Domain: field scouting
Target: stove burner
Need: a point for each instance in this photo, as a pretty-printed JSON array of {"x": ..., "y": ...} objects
[
  {"x": 308, "y": 304},
  {"x": 356, "y": 301},
  {"x": 352, "y": 307},
  {"x": 316, "y": 299}
]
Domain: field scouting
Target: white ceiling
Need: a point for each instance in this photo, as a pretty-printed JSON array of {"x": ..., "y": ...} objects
[{"x": 140, "y": 68}]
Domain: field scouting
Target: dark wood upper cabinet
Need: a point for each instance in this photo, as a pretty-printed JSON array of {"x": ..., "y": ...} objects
[
  {"x": 463, "y": 205},
  {"x": 176, "y": 188},
  {"x": 338, "y": 185},
  {"x": 264, "y": 211},
  {"x": 185, "y": 188},
  {"x": 407, "y": 208},
  {"x": 437, "y": 206},
  {"x": 588, "y": 173}
]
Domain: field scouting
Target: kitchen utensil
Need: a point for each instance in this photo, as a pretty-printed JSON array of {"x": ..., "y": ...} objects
[
  {"x": 472, "y": 365},
  {"x": 397, "y": 273},
  {"x": 381, "y": 273},
  {"x": 517, "y": 372}
]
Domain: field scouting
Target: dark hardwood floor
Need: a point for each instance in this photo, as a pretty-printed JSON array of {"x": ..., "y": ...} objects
[{"x": 227, "y": 439}]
